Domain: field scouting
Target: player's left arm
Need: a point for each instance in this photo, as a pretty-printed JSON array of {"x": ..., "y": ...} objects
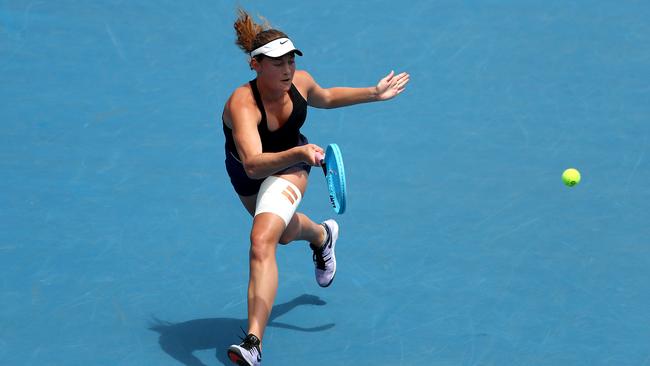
[{"x": 387, "y": 88}]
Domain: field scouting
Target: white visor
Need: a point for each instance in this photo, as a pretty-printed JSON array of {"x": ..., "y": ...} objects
[{"x": 276, "y": 48}]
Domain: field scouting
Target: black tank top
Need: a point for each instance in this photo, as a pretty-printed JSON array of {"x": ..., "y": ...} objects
[{"x": 282, "y": 139}]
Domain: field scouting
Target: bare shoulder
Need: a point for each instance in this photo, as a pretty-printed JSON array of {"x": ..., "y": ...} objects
[
  {"x": 240, "y": 103},
  {"x": 242, "y": 95},
  {"x": 302, "y": 78},
  {"x": 303, "y": 81}
]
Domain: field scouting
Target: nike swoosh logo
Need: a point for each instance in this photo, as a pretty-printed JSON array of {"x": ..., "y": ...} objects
[{"x": 284, "y": 42}]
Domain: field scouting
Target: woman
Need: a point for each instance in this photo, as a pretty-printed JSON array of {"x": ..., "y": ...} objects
[{"x": 268, "y": 161}]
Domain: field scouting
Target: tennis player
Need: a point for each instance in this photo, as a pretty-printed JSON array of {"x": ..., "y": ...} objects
[{"x": 269, "y": 160}]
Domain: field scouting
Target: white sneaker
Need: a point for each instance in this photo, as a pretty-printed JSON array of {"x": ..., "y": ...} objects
[
  {"x": 247, "y": 353},
  {"x": 324, "y": 257}
]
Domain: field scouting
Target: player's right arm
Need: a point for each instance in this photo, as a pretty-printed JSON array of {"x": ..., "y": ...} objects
[{"x": 244, "y": 118}]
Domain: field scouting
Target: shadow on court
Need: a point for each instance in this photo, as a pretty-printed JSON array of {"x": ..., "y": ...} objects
[{"x": 180, "y": 340}]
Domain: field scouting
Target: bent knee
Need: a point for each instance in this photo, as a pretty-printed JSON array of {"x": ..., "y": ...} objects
[
  {"x": 262, "y": 245},
  {"x": 285, "y": 240}
]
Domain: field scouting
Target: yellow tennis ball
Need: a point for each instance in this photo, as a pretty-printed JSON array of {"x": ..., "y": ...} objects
[{"x": 571, "y": 177}]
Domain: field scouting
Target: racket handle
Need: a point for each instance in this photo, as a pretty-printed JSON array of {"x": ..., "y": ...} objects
[
  {"x": 319, "y": 157},
  {"x": 321, "y": 160}
]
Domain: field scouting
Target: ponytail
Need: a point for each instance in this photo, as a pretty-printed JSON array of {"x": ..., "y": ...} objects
[
  {"x": 246, "y": 30},
  {"x": 251, "y": 35}
]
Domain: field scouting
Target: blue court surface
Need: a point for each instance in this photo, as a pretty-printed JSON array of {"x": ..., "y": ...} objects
[{"x": 123, "y": 243}]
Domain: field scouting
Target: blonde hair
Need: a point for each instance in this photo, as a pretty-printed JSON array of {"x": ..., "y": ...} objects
[{"x": 251, "y": 35}]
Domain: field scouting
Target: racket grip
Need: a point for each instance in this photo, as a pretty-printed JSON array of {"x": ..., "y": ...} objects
[{"x": 321, "y": 159}]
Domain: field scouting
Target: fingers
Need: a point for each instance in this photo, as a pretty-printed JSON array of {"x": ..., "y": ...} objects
[
  {"x": 388, "y": 77},
  {"x": 391, "y": 76},
  {"x": 318, "y": 149},
  {"x": 402, "y": 80},
  {"x": 403, "y": 77},
  {"x": 392, "y": 84},
  {"x": 393, "y": 79},
  {"x": 315, "y": 154}
]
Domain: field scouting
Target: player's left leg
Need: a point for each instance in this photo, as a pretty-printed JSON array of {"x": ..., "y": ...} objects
[{"x": 322, "y": 237}]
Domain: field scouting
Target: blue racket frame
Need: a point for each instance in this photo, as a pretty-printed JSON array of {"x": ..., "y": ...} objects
[{"x": 335, "y": 175}]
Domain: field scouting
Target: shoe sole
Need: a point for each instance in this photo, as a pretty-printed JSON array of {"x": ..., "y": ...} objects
[
  {"x": 236, "y": 358},
  {"x": 329, "y": 283}
]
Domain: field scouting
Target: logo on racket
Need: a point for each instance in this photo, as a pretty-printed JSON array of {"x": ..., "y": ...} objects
[{"x": 335, "y": 176}]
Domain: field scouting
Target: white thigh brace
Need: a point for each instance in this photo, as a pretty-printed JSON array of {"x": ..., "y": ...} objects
[{"x": 278, "y": 196}]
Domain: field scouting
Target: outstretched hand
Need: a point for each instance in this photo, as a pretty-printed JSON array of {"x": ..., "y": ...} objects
[{"x": 391, "y": 85}]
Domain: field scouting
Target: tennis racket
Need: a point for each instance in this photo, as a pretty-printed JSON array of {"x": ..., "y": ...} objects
[{"x": 332, "y": 164}]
